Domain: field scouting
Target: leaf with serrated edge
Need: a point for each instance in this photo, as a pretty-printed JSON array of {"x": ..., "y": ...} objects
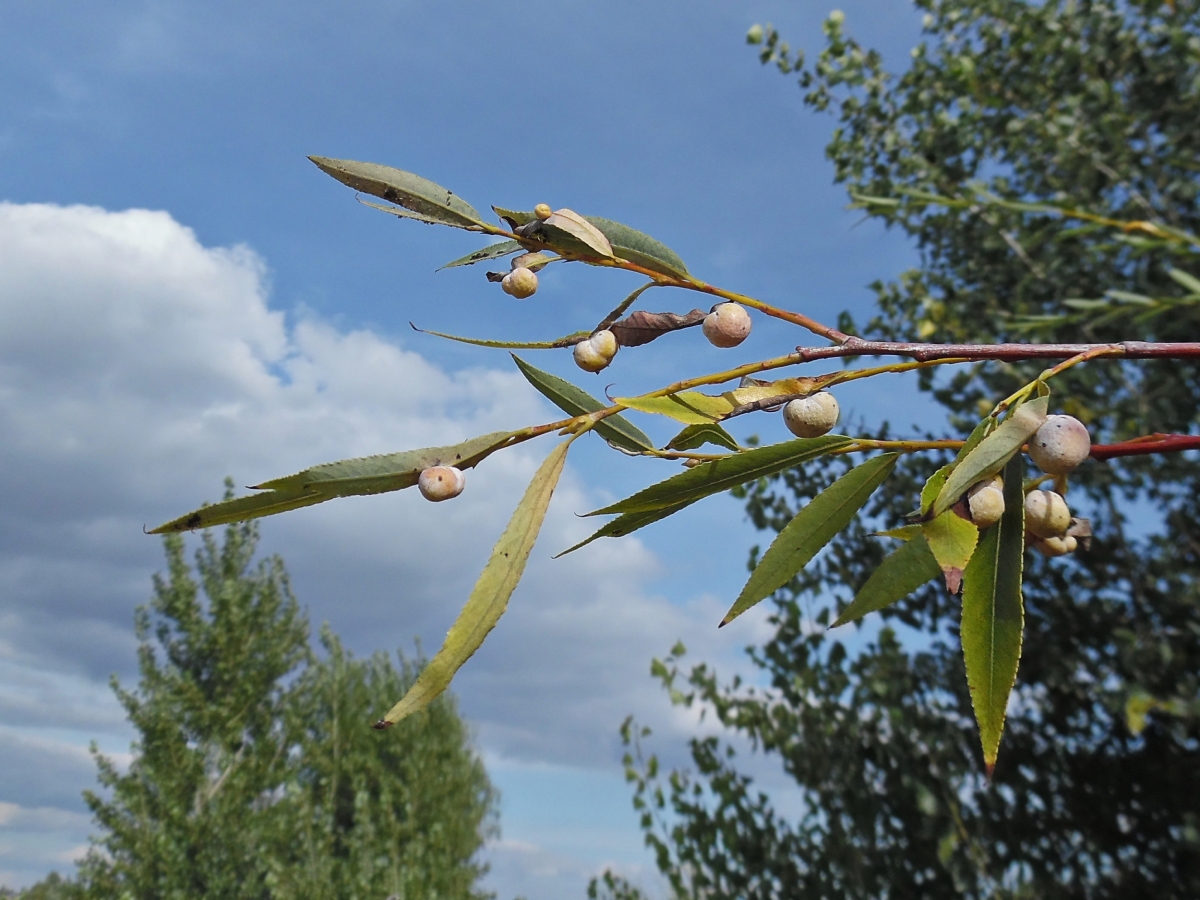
[
  {"x": 422, "y": 196},
  {"x": 688, "y": 407},
  {"x": 489, "y": 597},
  {"x": 694, "y": 436},
  {"x": 811, "y": 529},
  {"x": 492, "y": 251},
  {"x": 900, "y": 573},
  {"x": 993, "y": 615},
  {"x": 627, "y": 524},
  {"x": 990, "y": 455},
  {"x": 576, "y": 402},
  {"x": 722, "y": 474},
  {"x": 952, "y": 540},
  {"x": 346, "y": 478}
]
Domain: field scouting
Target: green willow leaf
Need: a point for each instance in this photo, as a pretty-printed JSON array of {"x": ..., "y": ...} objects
[
  {"x": 489, "y": 597},
  {"x": 627, "y": 243},
  {"x": 576, "y": 402},
  {"x": 993, "y": 615},
  {"x": 900, "y": 573},
  {"x": 721, "y": 474},
  {"x": 991, "y": 454},
  {"x": 811, "y": 529},
  {"x": 492, "y": 251},
  {"x": 952, "y": 541},
  {"x": 347, "y": 478},
  {"x": 688, "y": 407},
  {"x": 627, "y": 524},
  {"x": 569, "y": 340},
  {"x": 428, "y": 200},
  {"x": 694, "y": 436}
]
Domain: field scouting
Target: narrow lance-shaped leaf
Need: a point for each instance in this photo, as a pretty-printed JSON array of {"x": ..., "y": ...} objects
[
  {"x": 569, "y": 340},
  {"x": 349, "y": 477},
  {"x": 627, "y": 524},
  {"x": 993, "y": 614},
  {"x": 811, "y": 529},
  {"x": 430, "y": 201},
  {"x": 900, "y": 573},
  {"x": 577, "y": 402},
  {"x": 688, "y": 407},
  {"x": 489, "y": 597},
  {"x": 627, "y": 243},
  {"x": 572, "y": 223},
  {"x": 492, "y": 251},
  {"x": 722, "y": 474},
  {"x": 989, "y": 457}
]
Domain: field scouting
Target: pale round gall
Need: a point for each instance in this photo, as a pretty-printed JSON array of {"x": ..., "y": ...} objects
[
  {"x": 811, "y": 416},
  {"x": 438, "y": 483},
  {"x": 594, "y": 354},
  {"x": 1059, "y": 445},
  {"x": 727, "y": 325},
  {"x": 543, "y": 211},
  {"x": 986, "y": 502},
  {"x": 1056, "y": 546},
  {"x": 1046, "y": 514},
  {"x": 520, "y": 283}
]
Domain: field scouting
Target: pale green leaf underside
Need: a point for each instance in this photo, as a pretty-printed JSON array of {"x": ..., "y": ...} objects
[
  {"x": 576, "y": 402},
  {"x": 952, "y": 541},
  {"x": 430, "y": 201},
  {"x": 719, "y": 475},
  {"x": 900, "y": 573},
  {"x": 991, "y": 454},
  {"x": 993, "y": 615},
  {"x": 810, "y": 530},
  {"x": 347, "y": 478},
  {"x": 489, "y": 597},
  {"x": 688, "y": 407}
]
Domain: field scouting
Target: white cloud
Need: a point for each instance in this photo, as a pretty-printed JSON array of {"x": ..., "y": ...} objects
[{"x": 138, "y": 367}]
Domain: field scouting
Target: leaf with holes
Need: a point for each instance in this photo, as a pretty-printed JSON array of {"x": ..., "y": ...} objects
[{"x": 431, "y": 202}]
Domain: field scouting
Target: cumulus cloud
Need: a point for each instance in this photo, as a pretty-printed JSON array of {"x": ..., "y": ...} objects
[{"x": 138, "y": 367}]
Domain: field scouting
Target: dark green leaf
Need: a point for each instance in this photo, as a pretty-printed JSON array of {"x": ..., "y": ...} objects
[
  {"x": 721, "y": 474},
  {"x": 428, "y": 200},
  {"x": 349, "y": 477},
  {"x": 627, "y": 524},
  {"x": 993, "y": 614},
  {"x": 576, "y": 402},
  {"x": 489, "y": 597},
  {"x": 811, "y": 529},
  {"x": 492, "y": 251},
  {"x": 694, "y": 436},
  {"x": 900, "y": 573},
  {"x": 990, "y": 455}
]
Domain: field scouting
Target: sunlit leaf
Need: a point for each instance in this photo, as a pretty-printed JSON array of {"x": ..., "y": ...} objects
[
  {"x": 722, "y": 474},
  {"x": 576, "y": 402},
  {"x": 572, "y": 223},
  {"x": 993, "y": 615},
  {"x": 900, "y": 573},
  {"x": 952, "y": 541},
  {"x": 420, "y": 195},
  {"x": 346, "y": 478},
  {"x": 492, "y": 251},
  {"x": 810, "y": 530},
  {"x": 694, "y": 436},
  {"x": 991, "y": 454},
  {"x": 688, "y": 407},
  {"x": 489, "y": 597}
]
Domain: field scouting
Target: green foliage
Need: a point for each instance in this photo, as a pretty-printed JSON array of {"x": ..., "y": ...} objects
[
  {"x": 255, "y": 772},
  {"x": 1019, "y": 133}
]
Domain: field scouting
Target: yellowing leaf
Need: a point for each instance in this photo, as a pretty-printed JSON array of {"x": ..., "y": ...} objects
[
  {"x": 489, "y": 598},
  {"x": 952, "y": 540},
  {"x": 688, "y": 407}
]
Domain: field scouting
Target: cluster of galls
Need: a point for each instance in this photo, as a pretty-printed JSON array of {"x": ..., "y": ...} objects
[{"x": 1058, "y": 446}]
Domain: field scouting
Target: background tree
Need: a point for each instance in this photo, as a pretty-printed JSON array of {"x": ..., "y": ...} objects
[
  {"x": 255, "y": 773},
  {"x": 1093, "y": 106}
]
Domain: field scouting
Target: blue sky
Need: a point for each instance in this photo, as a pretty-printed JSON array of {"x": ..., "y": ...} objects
[{"x": 253, "y": 319}]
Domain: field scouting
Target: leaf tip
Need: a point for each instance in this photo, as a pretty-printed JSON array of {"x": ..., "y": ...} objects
[
  {"x": 990, "y": 765},
  {"x": 382, "y": 724}
]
